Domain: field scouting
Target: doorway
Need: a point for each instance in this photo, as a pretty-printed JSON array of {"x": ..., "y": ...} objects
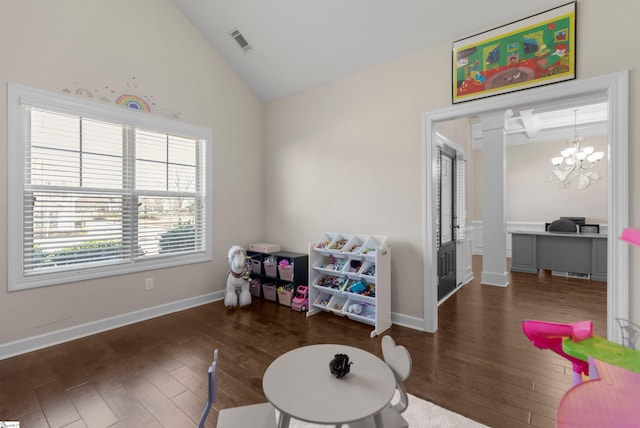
[{"x": 613, "y": 87}]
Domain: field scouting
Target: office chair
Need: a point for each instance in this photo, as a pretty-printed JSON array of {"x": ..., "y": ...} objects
[
  {"x": 399, "y": 360},
  {"x": 256, "y": 415},
  {"x": 563, "y": 225}
]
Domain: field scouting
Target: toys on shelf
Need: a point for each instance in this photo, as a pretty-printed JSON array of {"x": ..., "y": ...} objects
[{"x": 350, "y": 276}]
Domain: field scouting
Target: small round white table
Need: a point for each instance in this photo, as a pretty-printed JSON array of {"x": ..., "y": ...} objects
[{"x": 300, "y": 385}]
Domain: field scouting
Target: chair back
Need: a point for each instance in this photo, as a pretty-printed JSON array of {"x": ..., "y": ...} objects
[
  {"x": 213, "y": 377},
  {"x": 563, "y": 225},
  {"x": 399, "y": 360},
  {"x": 630, "y": 332}
]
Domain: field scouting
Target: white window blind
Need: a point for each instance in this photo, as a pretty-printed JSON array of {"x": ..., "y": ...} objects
[{"x": 102, "y": 190}]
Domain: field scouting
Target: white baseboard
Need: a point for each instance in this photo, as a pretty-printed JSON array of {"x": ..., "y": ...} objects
[
  {"x": 407, "y": 321},
  {"x": 23, "y": 346},
  {"x": 18, "y": 347}
]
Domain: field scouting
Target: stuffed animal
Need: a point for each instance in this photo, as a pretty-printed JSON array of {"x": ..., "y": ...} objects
[
  {"x": 355, "y": 308},
  {"x": 238, "y": 279}
]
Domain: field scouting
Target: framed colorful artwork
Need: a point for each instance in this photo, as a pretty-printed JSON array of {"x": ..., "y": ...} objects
[{"x": 534, "y": 51}]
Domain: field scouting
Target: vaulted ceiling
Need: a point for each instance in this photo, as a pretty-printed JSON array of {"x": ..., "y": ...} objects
[
  {"x": 299, "y": 44},
  {"x": 294, "y": 45}
]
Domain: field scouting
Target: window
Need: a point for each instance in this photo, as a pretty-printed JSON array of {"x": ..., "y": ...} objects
[{"x": 98, "y": 190}]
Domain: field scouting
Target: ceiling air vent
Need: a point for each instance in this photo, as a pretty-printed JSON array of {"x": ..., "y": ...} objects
[{"x": 239, "y": 38}]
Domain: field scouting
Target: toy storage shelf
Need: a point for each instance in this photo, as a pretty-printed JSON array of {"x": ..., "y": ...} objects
[
  {"x": 350, "y": 275},
  {"x": 265, "y": 268}
]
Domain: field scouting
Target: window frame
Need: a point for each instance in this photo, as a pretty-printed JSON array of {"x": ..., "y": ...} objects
[{"x": 17, "y": 96}]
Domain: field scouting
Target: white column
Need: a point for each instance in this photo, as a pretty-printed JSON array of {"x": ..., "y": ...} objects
[{"x": 494, "y": 234}]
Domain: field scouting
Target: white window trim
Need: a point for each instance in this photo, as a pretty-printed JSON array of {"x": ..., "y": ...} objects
[{"x": 18, "y": 95}]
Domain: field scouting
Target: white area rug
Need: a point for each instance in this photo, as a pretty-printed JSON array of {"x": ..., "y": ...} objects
[{"x": 420, "y": 414}]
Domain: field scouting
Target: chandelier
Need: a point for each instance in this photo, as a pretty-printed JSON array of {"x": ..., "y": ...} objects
[{"x": 576, "y": 162}]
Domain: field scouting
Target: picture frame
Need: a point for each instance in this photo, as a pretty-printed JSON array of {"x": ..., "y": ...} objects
[{"x": 533, "y": 51}]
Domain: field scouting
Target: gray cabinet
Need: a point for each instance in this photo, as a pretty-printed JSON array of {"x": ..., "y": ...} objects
[
  {"x": 599, "y": 260},
  {"x": 523, "y": 259}
]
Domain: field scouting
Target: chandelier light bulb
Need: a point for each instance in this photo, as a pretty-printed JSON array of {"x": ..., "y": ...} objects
[
  {"x": 595, "y": 157},
  {"x": 557, "y": 160},
  {"x": 588, "y": 150}
]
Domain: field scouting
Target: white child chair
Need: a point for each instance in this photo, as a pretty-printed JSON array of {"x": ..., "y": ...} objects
[
  {"x": 256, "y": 415},
  {"x": 399, "y": 360},
  {"x": 630, "y": 332}
]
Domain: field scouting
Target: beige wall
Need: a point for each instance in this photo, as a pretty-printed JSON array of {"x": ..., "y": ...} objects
[
  {"x": 347, "y": 156},
  {"x": 53, "y": 45},
  {"x": 531, "y": 197}
]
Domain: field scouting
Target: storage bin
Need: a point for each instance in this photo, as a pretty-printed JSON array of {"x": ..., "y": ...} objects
[
  {"x": 256, "y": 265},
  {"x": 360, "y": 311},
  {"x": 372, "y": 245},
  {"x": 322, "y": 300},
  {"x": 254, "y": 287},
  {"x": 330, "y": 281},
  {"x": 339, "y": 242},
  {"x": 331, "y": 263},
  {"x": 286, "y": 272},
  {"x": 269, "y": 292},
  {"x": 324, "y": 241},
  {"x": 270, "y": 268},
  {"x": 353, "y": 266},
  {"x": 369, "y": 270},
  {"x": 337, "y": 303},
  {"x": 362, "y": 288},
  {"x": 354, "y": 245},
  {"x": 285, "y": 295}
]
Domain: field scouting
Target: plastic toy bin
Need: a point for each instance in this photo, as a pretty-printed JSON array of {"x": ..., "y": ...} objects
[
  {"x": 269, "y": 291},
  {"x": 337, "y": 303},
  {"x": 285, "y": 296},
  {"x": 360, "y": 311},
  {"x": 322, "y": 300}
]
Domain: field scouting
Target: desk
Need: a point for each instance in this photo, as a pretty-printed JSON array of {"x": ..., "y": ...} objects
[
  {"x": 300, "y": 385},
  {"x": 611, "y": 400},
  {"x": 583, "y": 253}
]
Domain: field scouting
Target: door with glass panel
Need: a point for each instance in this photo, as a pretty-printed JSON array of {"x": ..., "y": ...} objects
[{"x": 446, "y": 223}]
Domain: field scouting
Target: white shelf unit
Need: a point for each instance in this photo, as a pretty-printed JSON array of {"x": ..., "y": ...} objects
[{"x": 350, "y": 272}]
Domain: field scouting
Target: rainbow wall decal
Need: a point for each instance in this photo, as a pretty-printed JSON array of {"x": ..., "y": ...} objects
[{"x": 133, "y": 102}]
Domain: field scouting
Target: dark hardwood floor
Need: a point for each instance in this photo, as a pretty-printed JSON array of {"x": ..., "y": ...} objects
[{"x": 153, "y": 373}]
